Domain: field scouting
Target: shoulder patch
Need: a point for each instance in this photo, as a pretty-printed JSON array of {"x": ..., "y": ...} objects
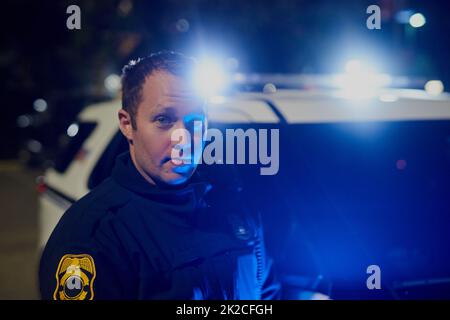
[{"x": 75, "y": 278}]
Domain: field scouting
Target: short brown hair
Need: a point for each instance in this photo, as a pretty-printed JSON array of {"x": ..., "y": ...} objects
[{"x": 136, "y": 71}]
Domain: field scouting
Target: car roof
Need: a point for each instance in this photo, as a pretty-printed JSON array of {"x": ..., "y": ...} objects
[{"x": 307, "y": 106}]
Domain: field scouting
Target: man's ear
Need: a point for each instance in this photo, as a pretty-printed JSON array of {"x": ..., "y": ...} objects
[{"x": 125, "y": 124}]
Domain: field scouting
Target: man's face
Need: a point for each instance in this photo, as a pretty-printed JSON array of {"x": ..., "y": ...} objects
[{"x": 167, "y": 103}]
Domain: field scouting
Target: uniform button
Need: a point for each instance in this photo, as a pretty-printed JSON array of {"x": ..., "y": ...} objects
[
  {"x": 242, "y": 230},
  {"x": 242, "y": 233}
]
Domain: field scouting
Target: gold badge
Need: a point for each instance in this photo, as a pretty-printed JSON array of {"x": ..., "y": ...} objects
[{"x": 75, "y": 278}]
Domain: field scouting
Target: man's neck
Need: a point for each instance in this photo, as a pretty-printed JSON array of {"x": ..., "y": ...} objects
[{"x": 140, "y": 170}]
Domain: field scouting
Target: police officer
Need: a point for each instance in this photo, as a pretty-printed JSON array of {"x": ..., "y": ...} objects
[{"x": 153, "y": 229}]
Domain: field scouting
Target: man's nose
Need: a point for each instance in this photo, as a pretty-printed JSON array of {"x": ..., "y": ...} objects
[{"x": 181, "y": 136}]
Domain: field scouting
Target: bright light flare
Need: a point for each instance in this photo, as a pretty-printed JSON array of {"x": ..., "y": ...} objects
[
  {"x": 434, "y": 87},
  {"x": 210, "y": 78},
  {"x": 40, "y": 105},
  {"x": 353, "y": 66},
  {"x": 112, "y": 83},
  {"x": 360, "y": 81},
  {"x": 72, "y": 130},
  {"x": 417, "y": 20}
]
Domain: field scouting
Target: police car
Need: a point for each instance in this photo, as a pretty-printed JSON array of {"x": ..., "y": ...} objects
[{"x": 352, "y": 173}]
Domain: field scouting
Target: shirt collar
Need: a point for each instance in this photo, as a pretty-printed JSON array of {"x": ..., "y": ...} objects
[{"x": 189, "y": 194}]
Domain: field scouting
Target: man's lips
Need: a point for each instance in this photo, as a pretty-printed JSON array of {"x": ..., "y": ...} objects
[
  {"x": 181, "y": 162},
  {"x": 178, "y": 161}
]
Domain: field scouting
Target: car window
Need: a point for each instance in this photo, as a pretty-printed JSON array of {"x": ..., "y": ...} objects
[
  {"x": 105, "y": 164},
  {"x": 71, "y": 143}
]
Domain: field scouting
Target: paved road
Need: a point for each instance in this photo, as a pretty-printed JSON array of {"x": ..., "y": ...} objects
[{"x": 18, "y": 232}]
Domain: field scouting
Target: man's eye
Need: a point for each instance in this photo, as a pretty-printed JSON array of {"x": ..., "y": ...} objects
[{"x": 163, "y": 120}]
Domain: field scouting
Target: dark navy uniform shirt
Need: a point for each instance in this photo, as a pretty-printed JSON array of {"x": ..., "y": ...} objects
[{"x": 127, "y": 239}]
